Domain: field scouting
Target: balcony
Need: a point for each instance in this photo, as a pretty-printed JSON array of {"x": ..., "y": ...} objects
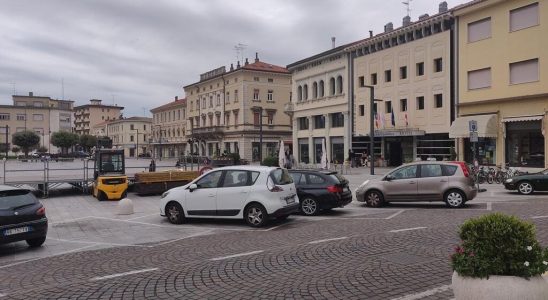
[{"x": 206, "y": 133}]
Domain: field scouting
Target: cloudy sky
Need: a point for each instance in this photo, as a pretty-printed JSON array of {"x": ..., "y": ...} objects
[{"x": 138, "y": 54}]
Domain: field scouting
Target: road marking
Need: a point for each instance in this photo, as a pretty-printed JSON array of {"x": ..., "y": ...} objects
[
  {"x": 328, "y": 240},
  {"x": 99, "y": 243},
  {"x": 183, "y": 238},
  {"x": 424, "y": 294},
  {"x": 408, "y": 229},
  {"x": 539, "y": 217},
  {"x": 123, "y": 274},
  {"x": 236, "y": 255},
  {"x": 156, "y": 214},
  {"x": 395, "y": 214},
  {"x": 39, "y": 258},
  {"x": 3, "y": 295}
]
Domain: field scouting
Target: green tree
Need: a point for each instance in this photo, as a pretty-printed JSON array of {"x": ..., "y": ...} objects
[
  {"x": 42, "y": 149},
  {"x": 26, "y": 140},
  {"x": 88, "y": 141},
  {"x": 64, "y": 140},
  {"x": 15, "y": 150}
]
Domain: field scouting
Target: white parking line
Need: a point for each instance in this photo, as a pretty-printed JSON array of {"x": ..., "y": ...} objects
[
  {"x": 424, "y": 294},
  {"x": 39, "y": 258},
  {"x": 99, "y": 243},
  {"x": 183, "y": 238},
  {"x": 328, "y": 240},
  {"x": 123, "y": 274},
  {"x": 156, "y": 214},
  {"x": 539, "y": 217},
  {"x": 236, "y": 255},
  {"x": 70, "y": 221},
  {"x": 395, "y": 214},
  {"x": 408, "y": 229}
]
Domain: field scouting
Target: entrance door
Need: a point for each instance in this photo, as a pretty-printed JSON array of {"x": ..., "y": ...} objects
[
  {"x": 233, "y": 193},
  {"x": 131, "y": 152},
  {"x": 203, "y": 200},
  {"x": 403, "y": 184},
  {"x": 395, "y": 154}
]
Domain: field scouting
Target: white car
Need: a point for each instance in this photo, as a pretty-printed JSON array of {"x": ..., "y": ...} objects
[{"x": 254, "y": 193}]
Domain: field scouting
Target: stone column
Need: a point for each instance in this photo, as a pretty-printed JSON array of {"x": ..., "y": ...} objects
[
  {"x": 347, "y": 138},
  {"x": 327, "y": 137}
]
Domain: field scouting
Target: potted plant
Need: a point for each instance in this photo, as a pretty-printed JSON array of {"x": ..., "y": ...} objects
[{"x": 499, "y": 258}]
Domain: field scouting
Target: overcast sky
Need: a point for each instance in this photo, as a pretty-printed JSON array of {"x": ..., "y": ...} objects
[{"x": 139, "y": 54}]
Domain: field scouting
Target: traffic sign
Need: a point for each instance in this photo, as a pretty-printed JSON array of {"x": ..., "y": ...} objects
[
  {"x": 473, "y": 137},
  {"x": 473, "y": 125}
]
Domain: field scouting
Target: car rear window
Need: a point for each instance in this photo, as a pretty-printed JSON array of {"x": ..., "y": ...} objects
[
  {"x": 16, "y": 198},
  {"x": 449, "y": 170},
  {"x": 281, "y": 177},
  {"x": 338, "y": 178}
]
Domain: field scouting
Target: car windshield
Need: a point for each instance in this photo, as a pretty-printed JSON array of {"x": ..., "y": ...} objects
[
  {"x": 16, "y": 198},
  {"x": 281, "y": 177}
]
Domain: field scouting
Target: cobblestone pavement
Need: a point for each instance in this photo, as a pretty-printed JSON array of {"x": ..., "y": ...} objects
[{"x": 397, "y": 252}]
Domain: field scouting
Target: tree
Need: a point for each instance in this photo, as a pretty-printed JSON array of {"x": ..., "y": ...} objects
[
  {"x": 42, "y": 149},
  {"x": 15, "y": 150},
  {"x": 64, "y": 140},
  {"x": 88, "y": 141},
  {"x": 26, "y": 140}
]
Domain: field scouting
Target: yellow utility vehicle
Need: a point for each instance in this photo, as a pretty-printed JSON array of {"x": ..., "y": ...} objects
[{"x": 110, "y": 181}]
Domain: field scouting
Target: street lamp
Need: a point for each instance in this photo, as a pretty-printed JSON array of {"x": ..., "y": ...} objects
[
  {"x": 372, "y": 126},
  {"x": 261, "y": 134},
  {"x": 137, "y": 144}
]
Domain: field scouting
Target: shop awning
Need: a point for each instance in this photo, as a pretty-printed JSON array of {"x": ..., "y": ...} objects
[
  {"x": 487, "y": 126},
  {"x": 522, "y": 119}
]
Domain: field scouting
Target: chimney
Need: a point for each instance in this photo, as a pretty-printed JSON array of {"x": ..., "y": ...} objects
[
  {"x": 388, "y": 27},
  {"x": 256, "y": 56},
  {"x": 422, "y": 17},
  {"x": 238, "y": 65},
  {"x": 246, "y": 61},
  {"x": 231, "y": 67},
  {"x": 333, "y": 42},
  {"x": 370, "y": 33},
  {"x": 406, "y": 20},
  {"x": 443, "y": 7},
  {"x": 176, "y": 98},
  {"x": 30, "y": 94}
]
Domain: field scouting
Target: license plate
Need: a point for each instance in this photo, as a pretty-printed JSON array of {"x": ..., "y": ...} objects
[{"x": 17, "y": 230}]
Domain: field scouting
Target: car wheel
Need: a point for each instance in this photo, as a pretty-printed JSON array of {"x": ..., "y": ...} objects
[
  {"x": 309, "y": 206},
  {"x": 525, "y": 188},
  {"x": 175, "y": 213},
  {"x": 101, "y": 196},
  {"x": 255, "y": 215},
  {"x": 36, "y": 242},
  {"x": 455, "y": 198},
  {"x": 374, "y": 199}
]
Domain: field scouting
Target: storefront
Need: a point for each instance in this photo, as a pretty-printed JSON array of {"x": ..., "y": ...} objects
[
  {"x": 485, "y": 149},
  {"x": 524, "y": 142},
  {"x": 337, "y": 149},
  {"x": 304, "y": 152}
]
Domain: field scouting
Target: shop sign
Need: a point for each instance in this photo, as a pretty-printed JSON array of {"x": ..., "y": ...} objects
[{"x": 473, "y": 137}]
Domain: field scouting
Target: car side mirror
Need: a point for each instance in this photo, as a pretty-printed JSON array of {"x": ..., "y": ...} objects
[
  {"x": 388, "y": 177},
  {"x": 192, "y": 187}
]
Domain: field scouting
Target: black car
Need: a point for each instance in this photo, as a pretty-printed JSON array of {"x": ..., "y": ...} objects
[
  {"x": 22, "y": 217},
  {"x": 528, "y": 183},
  {"x": 320, "y": 190}
]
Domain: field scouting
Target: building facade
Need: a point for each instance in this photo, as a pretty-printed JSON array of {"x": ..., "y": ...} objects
[
  {"x": 42, "y": 115},
  {"x": 502, "y": 81},
  {"x": 169, "y": 128},
  {"x": 226, "y": 108},
  {"x": 131, "y": 134},
  {"x": 88, "y": 115}
]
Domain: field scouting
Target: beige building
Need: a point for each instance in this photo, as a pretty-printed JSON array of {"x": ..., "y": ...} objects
[
  {"x": 410, "y": 70},
  {"x": 503, "y": 81},
  {"x": 169, "y": 127},
  {"x": 225, "y": 109},
  {"x": 88, "y": 115},
  {"x": 131, "y": 134},
  {"x": 42, "y": 115}
]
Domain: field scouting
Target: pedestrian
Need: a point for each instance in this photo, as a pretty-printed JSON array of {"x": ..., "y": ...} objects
[
  {"x": 152, "y": 166},
  {"x": 178, "y": 164},
  {"x": 352, "y": 157}
]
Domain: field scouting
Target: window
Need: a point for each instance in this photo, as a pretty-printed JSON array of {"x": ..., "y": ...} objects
[
  {"x": 144, "y": 127},
  {"x": 524, "y": 17},
  {"x": 256, "y": 94},
  {"x": 191, "y": 106},
  {"x": 255, "y": 78},
  {"x": 332, "y": 86},
  {"x": 270, "y": 95},
  {"x": 235, "y": 118},
  {"x": 256, "y": 118},
  {"x": 218, "y": 120},
  {"x": 227, "y": 99},
  {"x": 131, "y": 127},
  {"x": 227, "y": 119},
  {"x": 375, "y": 108},
  {"x": 524, "y": 71},
  {"x": 300, "y": 93},
  {"x": 38, "y": 117},
  {"x": 438, "y": 65},
  {"x": 387, "y": 75},
  {"x": 20, "y": 117},
  {"x": 319, "y": 122},
  {"x": 420, "y": 69},
  {"x": 131, "y": 138},
  {"x": 210, "y": 180},
  {"x": 270, "y": 80},
  {"x": 403, "y": 72},
  {"x": 235, "y": 178},
  {"x": 321, "y": 91},
  {"x": 361, "y": 80},
  {"x": 339, "y": 85},
  {"x": 305, "y": 92},
  {"x": 270, "y": 119},
  {"x": 315, "y": 179},
  {"x": 204, "y": 103},
  {"x": 403, "y": 104},
  {"x": 405, "y": 173},
  {"x": 4, "y": 117},
  {"x": 388, "y": 106},
  {"x": 218, "y": 100},
  {"x": 448, "y": 170},
  {"x": 438, "y": 100},
  {"x": 210, "y": 101},
  {"x": 303, "y": 123},
  {"x": 479, "y": 79},
  {"x": 236, "y": 99},
  {"x": 420, "y": 103},
  {"x": 374, "y": 79},
  {"x": 362, "y": 110},
  {"x": 479, "y": 30},
  {"x": 337, "y": 119},
  {"x": 431, "y": 171}
]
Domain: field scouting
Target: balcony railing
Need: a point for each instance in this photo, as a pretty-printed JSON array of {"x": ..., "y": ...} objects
[
  {"x": 288, "y": 107},
  {"x": 210, "y": 129}
]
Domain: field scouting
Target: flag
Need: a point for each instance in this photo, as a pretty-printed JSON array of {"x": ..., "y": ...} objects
[
  {"x": 406, "y": 121},
  {"x": 377, "y": 120},
  {"x": 393, "y": 118},
  {"x": 281, "y": 155},
  {"x": 381, "y": 117}
]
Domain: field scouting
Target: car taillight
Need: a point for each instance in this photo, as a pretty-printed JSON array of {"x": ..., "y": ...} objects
[
  {"x": 464, "y": 168},
  {"x": 334, "y": 189},
  {"x": 41, "y": 211},
  {"x": 271, "y": 186},
  {"x": 277, "y": 188}
]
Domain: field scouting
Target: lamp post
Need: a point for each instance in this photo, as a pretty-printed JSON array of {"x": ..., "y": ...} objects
[
  {"x": 137, "y": 144},
  {"x": 7, "y": 143},
  {"x": 160, "y": 140},
  {"x": 371, "y": 126},
  {"x": 261, "y": 134}
]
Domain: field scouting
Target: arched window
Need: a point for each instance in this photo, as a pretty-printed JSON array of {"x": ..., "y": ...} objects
[
  {"x": 300, "y": 93},
  {"x": 315, "y": 90},
  {"x": 339, "y": 85},
  {"x": 321, "y": 91},
  {"x": 305, "y": 92},
  {"x": 332, "y": 86}
]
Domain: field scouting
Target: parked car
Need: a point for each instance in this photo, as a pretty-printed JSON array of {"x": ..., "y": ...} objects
[
  {"x": 146, "y": 154},
  {"x": 320, "y": 190},
  {"x": 450, "y": 182},
  {"x": 253, "y": 193},
  {"x": 22, "y": 217},
  {"x": 528, "y": 183}
]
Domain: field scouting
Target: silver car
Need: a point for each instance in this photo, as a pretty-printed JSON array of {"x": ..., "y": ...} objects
[{"x": 450, "y": 182}]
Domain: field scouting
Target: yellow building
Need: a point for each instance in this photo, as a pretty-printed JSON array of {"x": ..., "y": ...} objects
[
  {"x": 169, "y": 127},
  {"x": 88, "y": 115},
  {"x": 130, "y": 134},
  {"x": 225, "y": 109},
  {"x": 503, "y": 81}
]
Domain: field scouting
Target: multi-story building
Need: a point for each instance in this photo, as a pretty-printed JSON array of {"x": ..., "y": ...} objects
[
  {"x": 410, "y": 70},
  {"x": 169, "y": 122},
  {"x": 131, "y": 134},
  {"x": 503, "y": 81},
  {"x": 226, "y": 109},
  {"x": 88, "y": 115},
  {"x": 320, "y": 106},
  {"x": 42, "y": 115}
]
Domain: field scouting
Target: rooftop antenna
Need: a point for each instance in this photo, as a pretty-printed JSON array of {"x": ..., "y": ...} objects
[
  {"x": 144, "y": 115},
  {"x": 239, "y": 48},
  {"x": 407, "y": 4}
]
